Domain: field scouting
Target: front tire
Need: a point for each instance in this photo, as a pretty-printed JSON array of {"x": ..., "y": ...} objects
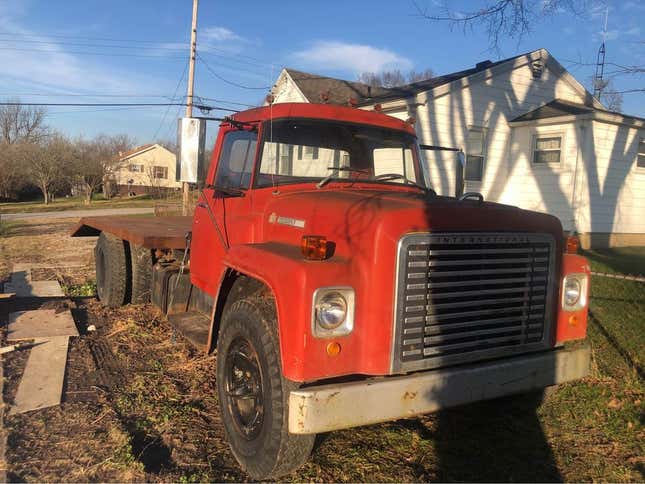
[{"x": 253, "y": 394}]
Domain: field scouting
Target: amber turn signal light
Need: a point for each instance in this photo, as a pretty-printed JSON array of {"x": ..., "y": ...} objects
[
  {"x": 314, "y": 247},
  {"x": 333, "y": 348},
  {"x": 573, "y": 244}
]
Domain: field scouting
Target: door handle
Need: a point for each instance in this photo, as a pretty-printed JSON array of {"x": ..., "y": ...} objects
[{"x": 201, "y": 205}]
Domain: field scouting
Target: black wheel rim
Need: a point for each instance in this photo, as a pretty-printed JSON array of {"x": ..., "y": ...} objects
[{"x": 244, "y": 388}]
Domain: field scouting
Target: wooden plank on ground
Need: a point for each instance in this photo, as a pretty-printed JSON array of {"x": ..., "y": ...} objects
[
  {"x": 41, "y": 323},
  {"x": 42, "y": 382},
  {"x": 35, "y": 289}
]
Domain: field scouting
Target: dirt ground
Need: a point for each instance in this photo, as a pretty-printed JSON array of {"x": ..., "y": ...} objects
[{"x": 140, "y": 405}]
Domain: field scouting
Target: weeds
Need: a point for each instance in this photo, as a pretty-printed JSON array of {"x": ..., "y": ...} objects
[{"x": 87, "y": 289}]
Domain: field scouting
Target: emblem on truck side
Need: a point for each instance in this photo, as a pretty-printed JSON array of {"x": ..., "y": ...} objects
[{"x": 293, "y": 222}]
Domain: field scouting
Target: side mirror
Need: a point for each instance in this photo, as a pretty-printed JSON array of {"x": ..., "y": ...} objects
[{"x": 191, "y": 138}]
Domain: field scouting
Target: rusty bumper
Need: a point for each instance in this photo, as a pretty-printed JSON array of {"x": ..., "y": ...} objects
[{"x": 344, "y": 405}]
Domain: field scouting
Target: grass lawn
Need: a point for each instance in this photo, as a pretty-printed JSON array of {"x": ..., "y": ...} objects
[
  {"x": 626, "y": 260},
  {"x": 74, "y": 203}
]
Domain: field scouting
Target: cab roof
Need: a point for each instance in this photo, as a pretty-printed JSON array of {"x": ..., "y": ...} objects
[{"x": 322, "y": 111}]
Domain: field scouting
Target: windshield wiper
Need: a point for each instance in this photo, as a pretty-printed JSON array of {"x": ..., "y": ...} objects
[
  {"x": 228, "y": 191},
  {"x": 407, "y": 181},
  {"x": 337, "y": 169}
]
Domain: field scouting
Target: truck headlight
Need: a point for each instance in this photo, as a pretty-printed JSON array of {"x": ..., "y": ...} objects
[
  {"x": 333, "y": 312},
  {"x": 574, "y": 292}
]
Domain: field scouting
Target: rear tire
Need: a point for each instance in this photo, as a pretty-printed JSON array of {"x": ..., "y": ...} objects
[
  {"x": 141, "y": 263},
  {"x": 253, "y": 394},
  {"x": 112, "y": 270}
]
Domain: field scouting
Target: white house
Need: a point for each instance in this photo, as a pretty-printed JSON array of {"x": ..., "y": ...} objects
[
  {"x": 533, "y": 136},
  {"x": 146, "y": 169}
]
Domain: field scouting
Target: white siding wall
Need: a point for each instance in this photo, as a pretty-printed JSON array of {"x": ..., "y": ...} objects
[
  {"x": 286, "y": 91},
  {"x": 611, "y": 193},
  {"x": 489, "y": 103},
  {"x": 544, "y": 187}
]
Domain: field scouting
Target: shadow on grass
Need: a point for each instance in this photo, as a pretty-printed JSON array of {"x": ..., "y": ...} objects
[
  {"x": 593, "y": 319},
  {"x": 497, "y": 440}
]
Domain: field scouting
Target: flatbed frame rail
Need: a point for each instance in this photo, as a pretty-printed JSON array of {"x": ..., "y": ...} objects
[{"x": 150, "y": 232}]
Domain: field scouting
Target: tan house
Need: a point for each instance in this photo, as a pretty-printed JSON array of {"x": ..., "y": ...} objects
[
  {"x": 146, "y": 169},
  {"x": 531, "y": 134}
]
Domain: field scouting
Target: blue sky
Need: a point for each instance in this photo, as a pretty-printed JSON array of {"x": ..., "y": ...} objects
[{"x": 136, "y": 51}]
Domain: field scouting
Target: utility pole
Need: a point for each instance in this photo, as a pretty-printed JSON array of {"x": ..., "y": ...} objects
[{"x": 189, "y": 97}]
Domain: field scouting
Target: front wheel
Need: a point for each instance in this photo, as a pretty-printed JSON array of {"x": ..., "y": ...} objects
[{"x": 253, "y": 394}]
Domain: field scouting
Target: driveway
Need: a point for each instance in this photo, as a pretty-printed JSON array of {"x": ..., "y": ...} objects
[{"x": 76, "y": 213}]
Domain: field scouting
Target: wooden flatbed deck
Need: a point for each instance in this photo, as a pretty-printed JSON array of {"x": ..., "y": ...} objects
[{"x": 150, "y": 232}]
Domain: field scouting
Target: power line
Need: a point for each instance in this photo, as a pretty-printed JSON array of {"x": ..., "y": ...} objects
[
  {"x": 84, "y": 44},
  {"x": 104, "y": 39},
  {"x": 57, "y": 94},
  {"x": 163, "y": 119},
  {"x": 159, "y": 56},
  {"x": 200, "y": 106},
  {"x": 217, "y": 76},
  {"x": 235, "y": 103}
]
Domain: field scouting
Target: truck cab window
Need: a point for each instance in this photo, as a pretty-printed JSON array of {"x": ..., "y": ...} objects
[
  {"x": 235, "y": 165},
  {"x": 308, "y": 151}
]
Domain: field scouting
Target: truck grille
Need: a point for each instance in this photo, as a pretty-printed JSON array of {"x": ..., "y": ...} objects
[{"x": 469, "y": 296}]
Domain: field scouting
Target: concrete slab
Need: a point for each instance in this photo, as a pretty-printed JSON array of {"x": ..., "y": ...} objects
[
  {"x": 24, "y": 288},
  {"x": 41, "y": 323},
  {"x": 42, "y": 382}
]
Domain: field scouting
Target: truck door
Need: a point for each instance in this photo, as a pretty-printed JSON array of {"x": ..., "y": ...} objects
[{"x": 223, "y": 213}]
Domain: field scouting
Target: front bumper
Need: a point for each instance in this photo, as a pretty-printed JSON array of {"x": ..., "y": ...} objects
[{"x": 344, "y": 405}]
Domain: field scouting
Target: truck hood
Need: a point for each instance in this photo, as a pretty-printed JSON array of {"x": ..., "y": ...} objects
[{"x": 357, "y": 220}]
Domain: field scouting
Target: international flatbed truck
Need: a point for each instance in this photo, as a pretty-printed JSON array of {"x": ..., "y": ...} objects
[{"x": 338, "y": 289}]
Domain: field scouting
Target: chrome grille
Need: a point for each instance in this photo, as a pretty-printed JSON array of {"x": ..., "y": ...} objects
[{"x": 464, "y": 297}]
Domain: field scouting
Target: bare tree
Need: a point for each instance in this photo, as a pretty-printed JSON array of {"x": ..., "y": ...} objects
[
  {"x": 393, "y": 78},
  {"x": 417, "y": 76},
  {"x": 502, "y": 18},
  {"x": 97, "y": 162},
  {"x": 47, "y": 165},
  {"x": 12, "y": 173},
  {"x": 611, "y": 98},
  {"x": 22, "y": 123},
  {"x": 154, "y": 181}
]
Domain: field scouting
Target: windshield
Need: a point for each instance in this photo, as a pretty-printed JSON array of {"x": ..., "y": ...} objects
[{"x": 296, "y": 151}]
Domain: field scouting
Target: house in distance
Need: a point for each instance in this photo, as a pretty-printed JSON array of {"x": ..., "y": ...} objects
[{"x": 147, "y": 169}]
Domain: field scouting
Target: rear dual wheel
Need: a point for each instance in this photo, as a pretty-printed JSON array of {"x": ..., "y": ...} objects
[
  {"x": 112, "y": 270},
  {"x": 123, "y": 271},
  {"x": 253, "y": 394}
]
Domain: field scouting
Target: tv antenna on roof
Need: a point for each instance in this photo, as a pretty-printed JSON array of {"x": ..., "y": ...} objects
[{"x": 598, "y": 82}]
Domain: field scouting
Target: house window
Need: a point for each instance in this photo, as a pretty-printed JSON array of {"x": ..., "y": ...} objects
[
  {"x": 160, "y": 172},
  {"x": 640, "y": 159},
  {"x": 546, "y": 149},
  {"x": 136, "y": 168},
  {"x": 475, "y": 154},
  {"x": 311, "y": 152}
]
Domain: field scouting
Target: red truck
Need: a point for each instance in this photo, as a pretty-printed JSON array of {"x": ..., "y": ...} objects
[{"x": 338, "y": 289}]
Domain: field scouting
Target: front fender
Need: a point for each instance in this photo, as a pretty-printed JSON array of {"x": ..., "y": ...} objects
[{"x": 293, "y": 281}]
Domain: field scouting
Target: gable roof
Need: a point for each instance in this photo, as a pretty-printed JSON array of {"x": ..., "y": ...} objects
[
  {"x": 340, "y": 90},
  {"x": 312, "y": 85},
  {"x": 135, "y": 151},
  {"x": 555, "y": 108},
  {"x": 560, "y": 107}
]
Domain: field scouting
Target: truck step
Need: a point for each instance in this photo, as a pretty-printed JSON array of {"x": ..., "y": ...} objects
[{"x": 192, "y": 325}]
